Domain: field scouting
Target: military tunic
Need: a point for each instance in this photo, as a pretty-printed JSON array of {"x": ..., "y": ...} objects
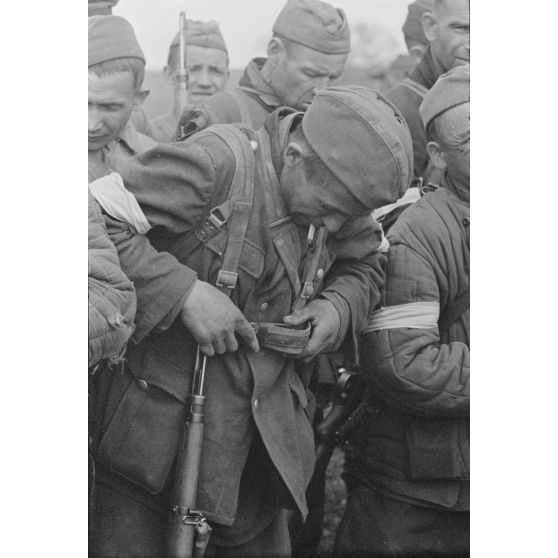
[{"x": 249, "y": 394}]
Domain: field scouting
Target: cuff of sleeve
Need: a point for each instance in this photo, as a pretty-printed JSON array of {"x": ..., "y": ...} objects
[
  {"x": 165, "y": 307},
  {"x": 342, "y": 307},
  {"x": 167, "y": 321}
]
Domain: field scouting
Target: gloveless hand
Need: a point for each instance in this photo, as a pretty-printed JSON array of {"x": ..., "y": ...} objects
[
  {"x": 325, "y": 322},
  {"x": 213, "y": 320}
]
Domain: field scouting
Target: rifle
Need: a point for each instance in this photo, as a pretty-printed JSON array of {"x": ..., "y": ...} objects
[
  {"x": 181, "y": 78},
  {"x": 188, "y": 530},
  {"x": 347, "y": 407}
]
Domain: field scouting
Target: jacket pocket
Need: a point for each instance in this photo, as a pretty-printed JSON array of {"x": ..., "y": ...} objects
[
  {"x": 436, "y": 449},
  {"x": 141, "y": 440}
]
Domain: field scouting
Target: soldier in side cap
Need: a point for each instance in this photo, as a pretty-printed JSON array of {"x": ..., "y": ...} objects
[
  {"x": 408, "y": 465},
  {"x": 116, "y": 72},
  {"x": 307, "y": 183},
  {"x": 307, "y": 52},
  {"x": 207, "y": 61},
  {"x": 413, "y": 31},
  {"x": 446, "y": 26}
]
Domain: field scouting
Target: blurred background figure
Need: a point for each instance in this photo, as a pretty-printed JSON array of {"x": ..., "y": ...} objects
[
  {"x": 446, "y": 27},
  {"x": 207, "y": 61},
  {"x": 413, "y": 31},
  {"x": 101, "y": 7}
]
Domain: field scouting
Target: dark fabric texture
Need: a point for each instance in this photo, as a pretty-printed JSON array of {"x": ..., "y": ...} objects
[
  {"x": 376, "y": 526},
  {"x": 128, "y": 522},
  {"x": 426, "y": 72},
  {"x": 176, "y": 186},
  {"x": 414, "y": 440},
  {"x": 112, "y": 299}
]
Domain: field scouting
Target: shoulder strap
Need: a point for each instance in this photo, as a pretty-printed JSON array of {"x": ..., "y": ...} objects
[
  {"x": 452, "y": 313},
  {"x": 414, "y": 86},
  {"x": 238, "y": 97},
  {"x": 240, "y": 199}
]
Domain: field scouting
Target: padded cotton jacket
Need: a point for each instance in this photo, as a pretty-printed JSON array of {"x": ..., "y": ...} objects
[
  {"x": 414, "y": 441},
  {"x": 112, "y": 299}
]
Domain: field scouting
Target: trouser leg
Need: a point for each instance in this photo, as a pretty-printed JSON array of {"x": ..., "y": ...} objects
[
  {"x": 374, "y": 525},
  {"x": 272, "y": 542},
  {"x": 125, "y": 527}
]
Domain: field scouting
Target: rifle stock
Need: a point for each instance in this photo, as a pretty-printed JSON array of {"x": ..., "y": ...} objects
[{"x": 184, "y": 519}]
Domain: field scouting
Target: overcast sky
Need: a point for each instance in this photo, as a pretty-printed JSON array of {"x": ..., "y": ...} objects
[{"x": 246, "y": 24}]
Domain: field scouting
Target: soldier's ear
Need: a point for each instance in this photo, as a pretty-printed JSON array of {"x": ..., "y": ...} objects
[
  {"x": 141, "y": 96},
  {"x": 429, "y": 26},
  {"x": 275, "y": 49},
  {"x": 416, "y": 51},
  {"x": 294, "y": 154},
  {"x": 436, "y": 154},
  {"x": 169, "y": 74}
]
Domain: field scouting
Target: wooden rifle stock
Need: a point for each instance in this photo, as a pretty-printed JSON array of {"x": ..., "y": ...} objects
[{"x": 184, "y": 519}]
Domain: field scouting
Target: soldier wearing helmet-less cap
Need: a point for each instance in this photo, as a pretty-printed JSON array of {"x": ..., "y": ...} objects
[
  {"x": 307, "y": 52},
  {"x": 309, "y": 257},
  {"x": 116, "y": 71},
  {"x": 446, "y": 27},
  {"x": 408, "y": 464},
  {"x": 207, "y": 61}
]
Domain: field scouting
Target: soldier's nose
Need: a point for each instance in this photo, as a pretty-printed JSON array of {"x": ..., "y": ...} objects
[
  {"x": 95, "y": 123},
  {"x": 204, "y": 79}
]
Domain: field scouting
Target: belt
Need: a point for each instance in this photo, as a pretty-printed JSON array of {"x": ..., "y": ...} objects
[{"x": 282, "y": 338}]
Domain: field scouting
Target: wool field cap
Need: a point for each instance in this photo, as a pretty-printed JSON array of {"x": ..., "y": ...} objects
[
  {"x": 363, "y": 140},
  {"x": 316, "y": 25},
  {"x": 203, "y": 34},
  {"x": 450, "y": 90},
  {"x": 412, "y": 28},
  {"x": 101, "y": 7},
  {"x": 112, "y": 37}
]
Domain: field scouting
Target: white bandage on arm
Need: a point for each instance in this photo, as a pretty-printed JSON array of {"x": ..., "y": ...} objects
[
  {"x": 417, "y": 315},
  {"x": 113, "y": 197}
]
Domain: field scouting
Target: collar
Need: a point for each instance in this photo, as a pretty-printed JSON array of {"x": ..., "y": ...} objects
[
  {"x": 428, "y": 70},
  {"x": 278, "y": 125},
  {"x": 253, "y": 82},
  {"x": 129, "y": 136}
]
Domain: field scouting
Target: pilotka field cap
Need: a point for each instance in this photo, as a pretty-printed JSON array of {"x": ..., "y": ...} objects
[
  {"x": 451, "y": 89},
  {"x": 203, "y": 34},
  {"x": 316, "y": 25},
  {"x": 112, "y": 37},
  {"x": 364, "y": 141},
  {"x": 412, "y": 28}
]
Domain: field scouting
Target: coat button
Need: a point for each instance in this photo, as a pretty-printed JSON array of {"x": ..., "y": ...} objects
[
  {"x": 256, "y": 403},
  {"x": 264, "y": 307},
  {"x": 254, "y": 145},
  {"x": 142, "y": 384},
  {"x": 465, "y": 222},
  {"x": 320, "y": 274}
]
